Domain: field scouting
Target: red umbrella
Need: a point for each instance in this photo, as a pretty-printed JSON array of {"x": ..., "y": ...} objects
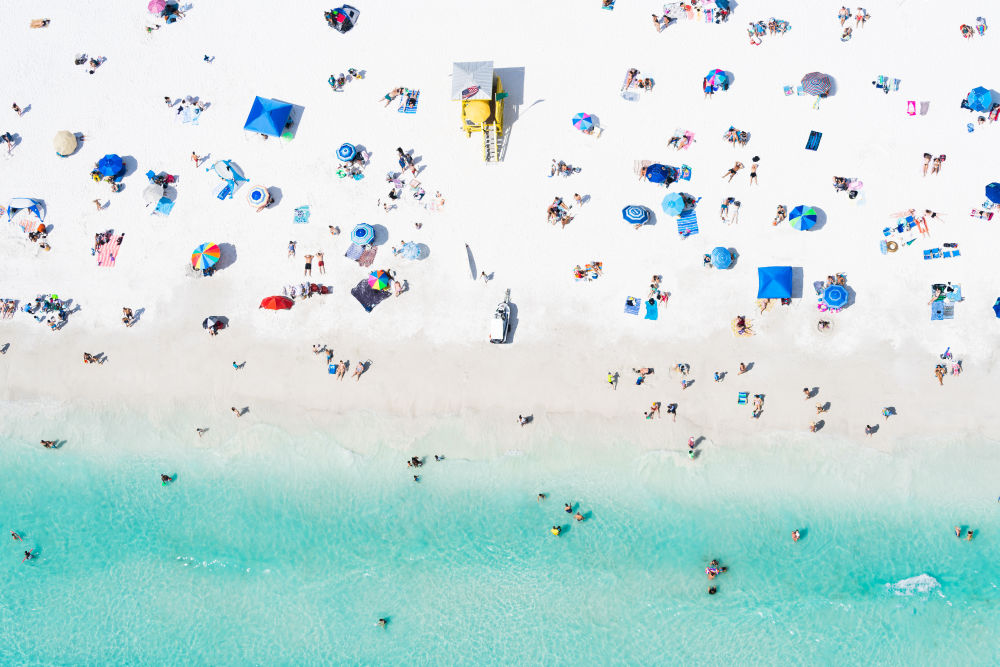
[{"x": 277, "y": 303}]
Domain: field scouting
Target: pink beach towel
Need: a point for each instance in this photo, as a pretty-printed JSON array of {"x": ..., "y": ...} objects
[
  {"x": 109, "y": 251},
  {"x": 690, "y": 139}
]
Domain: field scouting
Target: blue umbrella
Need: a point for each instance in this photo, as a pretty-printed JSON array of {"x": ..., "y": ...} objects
[
  {"x": 346, "y": 152},
  {"x": 656, "y": 173},
  {"x": 996, "y": 307},
  {"x": 803, "y": 218},
  {"x": 835, "y": 296},
  {"x": 363, "y": 233},
  {"x": 635, "y": 215},
  {"x": 980, "y": 99},
  {"x": 410, "y": 250},
  {"x": 722, "y": 4},
  {"x": 721, "y": 258},
  {"x": 110, "y": 165},
  {"x": 673, "y": 204},
  {"x": 993, "y": 192}
]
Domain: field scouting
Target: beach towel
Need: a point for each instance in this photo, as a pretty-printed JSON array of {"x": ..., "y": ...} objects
[
  {"x": 789, "y": 90},
  {"x": 408, "y": 102},
  {"x": 799, "y": 90},
  {"x": 190, "y": 115},
  {"x": 651, "y": 310},
  {"x": 302, "y": 216},
  {"x": 163, "y": 207},
  {"x": 911, "y": 108},
  {"x": 685, "y": 172},
  {"x": 632, "y": 305},
  {"x": 224, "y": 190},
  {"x": 608, "y": 5},
  {"x": 639, "y": 165},
  {"x": 690, "y": 139},
  {"x": 955, "y": 294},
  {"x": 687, "y": 223},
  {"x": 813, "y": 142},
  {"x": 368, "y": 256},
  {"x": 354, "y": 252},
  {"x": 368, "y": 297},
  {"x": 741, "y": 398},
  {"x": 107, "y": 253}
]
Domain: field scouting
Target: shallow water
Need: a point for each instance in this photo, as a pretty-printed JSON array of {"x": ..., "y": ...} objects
[{"x": 287, "y": 553}]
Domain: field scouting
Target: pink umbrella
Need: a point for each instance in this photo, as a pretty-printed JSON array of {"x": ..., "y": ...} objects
[{"x": 156, "y": 6}]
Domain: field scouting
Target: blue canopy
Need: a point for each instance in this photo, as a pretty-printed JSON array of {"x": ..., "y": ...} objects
[
  {"x": 110, "y": 165},
  {"x": 673, "y": 204},
  {"x": 980, "y": 99},
  {"x": 722, "y": 258},
  {"x": 774, "y": 282},
  {"x": 996, "y": 307},
  {"x": 835, "y": 296},
  {"x": 268, "y": 116},
  {"x": 993, "y": 192},
  {"x": 635, "y": 215}
]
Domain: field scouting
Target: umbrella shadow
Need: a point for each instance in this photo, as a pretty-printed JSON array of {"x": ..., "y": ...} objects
[
  {"x": 472, "y": 261},
  {"x": 797, "y": 278},
  {"x": 275, "y": 194},
  {"x": 294, "y": 119},
  {"x": 130, "y": 164},
  {"x": 833, "y": 86},
  {"x": 381, "y": 235},
  {"x": 730, "y": 80},
  {"x": 425, "y": 252},
  {"x": 820, "y": 219},
  {"x": 851, "y": 295},
  {"x": 227, "y": 258},
  {"x": 736, "y": 257},
  {"x": 819, "y": 426}
]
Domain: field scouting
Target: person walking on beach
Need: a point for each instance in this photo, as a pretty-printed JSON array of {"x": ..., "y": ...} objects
[
  {"x": 868, "y": 430},
  {"x": 805, "y": 390},
  {"x": 939, "y": 373},
  {"x": 201, "y": 431},
  {"x": 239, "y": 367},
  {"x": 613, "y": 380},
  {"x": 18, "y": 110},
  {"x": 486, "y": 278},
  {"x": 320, "y": 264},
  {"x": 672, "y": 410},
  {"x": 196, "y": 159},
  {"x": 743, "y": 368},
  {"x": 753, "y": 172},
  {"x": 237, "y": 412}
]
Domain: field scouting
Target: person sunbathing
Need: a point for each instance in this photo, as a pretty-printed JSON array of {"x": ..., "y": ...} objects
[
  {"x": 781, "y": 215},
  {"x": 630, "y": 78}
]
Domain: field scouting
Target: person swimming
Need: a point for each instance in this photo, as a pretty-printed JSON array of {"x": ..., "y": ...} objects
[
  {"x": 382, "y": 622},
  {"x": 540, "y": 497},
  {"x": 166, "y": 479},
  {"x": 795, "y": 535},
  {"x": 556, "y": 530},
  {"x": 579, "y": 517},
  {"x": 712, "y": 590},
  {"x": 17, "y": 538},
  {"x": 568, "y": 508}
]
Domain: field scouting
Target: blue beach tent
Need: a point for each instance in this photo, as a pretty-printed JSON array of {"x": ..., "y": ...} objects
[
  {"x": 774, "y": 282},
  {"x": 268, "y": 117}
]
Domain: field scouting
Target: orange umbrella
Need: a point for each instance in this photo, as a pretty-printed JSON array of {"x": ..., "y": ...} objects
[{"x": 277, "y": 303}]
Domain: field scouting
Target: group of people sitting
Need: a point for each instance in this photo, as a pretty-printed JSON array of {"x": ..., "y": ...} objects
[
  {"x": 843, "y": 184},
  {"x": 632, "y": 78},
  {"x": 355, "y": 167},
  {"x": 337, "y": 82},
  {"x": 735, "y": 136},
  {"x": 9, "y": 308},
  {"x": 563, "y": 169},
  {"x": 43, "y": 305},
  {"x": 591, "y": 271},
  {"x": 558, "y": 211},
  {"x": 304, "y": 290},
  {"x": 771, "y": 27}
]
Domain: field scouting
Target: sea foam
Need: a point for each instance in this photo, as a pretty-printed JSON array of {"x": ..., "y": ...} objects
[{"x": 919, "y": 585}]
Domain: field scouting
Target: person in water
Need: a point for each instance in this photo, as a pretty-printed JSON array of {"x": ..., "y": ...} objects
[
  {"x": 382, "y": 622},
  {"x": 17, "y": 538},
  {"x": 166, "y": 479},
  {"x": 968, "y": 536},
  {"x": 958, "y": 532},
  {"x": 795, "y": 535},
  {"x": 712, "y": 590},
  {"x": 568, "y": 508},
  {"x": 540, "y": 497},
  {"x": 579, "y": 517},
  {"x": 556, "y": 530}
]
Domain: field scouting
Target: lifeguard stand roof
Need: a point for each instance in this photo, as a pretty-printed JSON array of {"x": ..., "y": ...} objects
[{"x": 465, "y": 76}]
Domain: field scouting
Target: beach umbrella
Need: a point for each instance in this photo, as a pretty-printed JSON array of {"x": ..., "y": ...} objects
[
  {"x": 257, "y": 196},
  {"x": 110, "y": 165},
  {"x": 657, "y": 173},
  {"x": 379, "y": 280},
  {"x": 802, "y": 218},
  {"x": 722, "y": 4},
  {"x": 152, "y": 193},
  {"x": 717, "y": 78},
  {"x": 774, "y": 282},
  {"x": 363, "y": 233},
  {"x": 64, "y": 143},
  {"x": 635, "y": 215},
  {"x": 996, "y": 307},
  {"x": 205, "y": 256},
  {"x": 816, "y": 83},
  {"x": 410, "y": 250},
  {"x": 346, "y": 152},
  {"x": 276, "y": 303},
  {"x": 156, "y": 6},
  {"x": 993, "y": 192},
  {"x": 721, "y": 258},
  {"x": 583, "y": 121},
  {"x": 835, "y": 296},
  {"x": 980, "y": 99},
  {"x": 211, "y": 322},
  {"x": 673, "y": 204}
]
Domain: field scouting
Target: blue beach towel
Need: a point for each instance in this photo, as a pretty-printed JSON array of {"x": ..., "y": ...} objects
[
  {"x": 813, "y": 142},
  {"x": 687, "y": 223},
  {"x": 685, "y": 172},
  {"x": 632, "y": 305},
  {"x": 301, "y": 215},
  {"x": 190, "y": 115},
  {"x": 608, "y": 6},
  {"x": 164, "y": 206},
  {"x": 332, "y": 369},
  {"x": 651, "y": 310},
  {"x": 408, "y": 103},
  {"x": 937, "y": 311}
]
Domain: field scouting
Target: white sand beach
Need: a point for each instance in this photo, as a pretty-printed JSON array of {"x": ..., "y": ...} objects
[{"x": 430, "y": 358}]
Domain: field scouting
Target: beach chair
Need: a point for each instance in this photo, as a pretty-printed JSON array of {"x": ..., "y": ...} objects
[{"x": 743, "y": 398}]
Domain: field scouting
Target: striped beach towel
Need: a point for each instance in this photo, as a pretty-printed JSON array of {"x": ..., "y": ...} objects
[
  {"x": 687, "y": 223},
  {"x": 368, "y": 256},
  {"x": 109, "y": 251}
]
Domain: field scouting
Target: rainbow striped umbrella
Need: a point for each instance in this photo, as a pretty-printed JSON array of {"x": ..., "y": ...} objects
[
  {"x": 379, "y": 280},
  {"x": 205, "y": 256},
  {"x": 802, "y": 218},
  {"x": 816, "y": 83}
]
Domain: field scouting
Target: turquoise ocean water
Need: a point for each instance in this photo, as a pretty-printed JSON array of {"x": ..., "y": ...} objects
[{"x": 287, "y": 552}]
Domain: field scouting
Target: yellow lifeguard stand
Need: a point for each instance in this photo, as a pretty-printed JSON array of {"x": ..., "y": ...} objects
[{"x": 481, "y": 93}]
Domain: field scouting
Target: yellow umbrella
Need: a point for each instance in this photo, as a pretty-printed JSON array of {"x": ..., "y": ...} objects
[{"x": 64, "y": 143}]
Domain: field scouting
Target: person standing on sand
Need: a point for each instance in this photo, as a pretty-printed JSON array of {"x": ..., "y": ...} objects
[
  {"x": 237, "y": 412},
  {"x": 486, "y": 278},
  {"x": 753, "y": 174},
  {"x": 613, "y": 380},
  {"x": 98, "y": 204},
  {"x": 868, "y": 430},
  {"x": 939, "y": 373},
  {"x": 808, "y": 394},
  {"x": 320, "y": 264},
  {"x": 201, "y": 431},
  {"x": 743, "y": 368},
  {"x": 309, "y": 266}
]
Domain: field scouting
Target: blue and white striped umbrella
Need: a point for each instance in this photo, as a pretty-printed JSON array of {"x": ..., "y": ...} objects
[
  {"x": 346, "y": 152},
  {"x": 635, "y": 215},
  {"x": 363, "y": 233},
  {"x": 721, "y": 258},
  {"x": 410, "y": 250},
  {"x": 835, "y": 296}
]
